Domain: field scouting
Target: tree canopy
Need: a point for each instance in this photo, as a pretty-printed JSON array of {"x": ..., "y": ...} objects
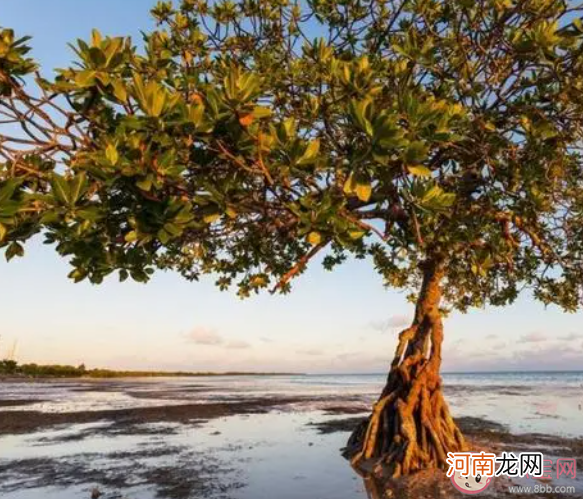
[{"x": 243, "y": 138}]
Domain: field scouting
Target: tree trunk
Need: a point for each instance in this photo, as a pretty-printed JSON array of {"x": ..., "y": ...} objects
[{"x": 410, "y": 427}]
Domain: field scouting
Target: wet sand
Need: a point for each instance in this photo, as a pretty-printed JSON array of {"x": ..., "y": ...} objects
[{"x": 221, "y": 440}]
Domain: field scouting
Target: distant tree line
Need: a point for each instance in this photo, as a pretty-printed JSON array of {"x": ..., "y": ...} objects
[{"x": 13, "y": 369}]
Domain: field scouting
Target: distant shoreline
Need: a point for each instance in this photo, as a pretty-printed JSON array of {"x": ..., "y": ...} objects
[
  {"x": 12, "y": 371},
  {"x": 24, "y": 377}
]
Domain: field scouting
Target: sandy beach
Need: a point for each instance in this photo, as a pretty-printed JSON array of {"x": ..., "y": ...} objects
[{"x": 242, "y": 438}]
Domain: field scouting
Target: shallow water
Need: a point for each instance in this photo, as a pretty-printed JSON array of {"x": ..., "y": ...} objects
[
  {"x": 258, "y": 456},
  {"x": 525, "y": 402}
]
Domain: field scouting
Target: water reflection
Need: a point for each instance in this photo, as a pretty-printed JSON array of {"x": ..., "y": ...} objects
[{"x": 373, "y": 488}]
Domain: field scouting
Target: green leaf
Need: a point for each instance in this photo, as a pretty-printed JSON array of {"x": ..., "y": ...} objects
[
  {"x": 419, "y": 171},
  {"x": 9, "y": 208},
  {"x": 15, "y": 249},
  {"x": 60, "y": 188},
  {"x": 91, "y": 214},
  {"x": 8, "y": 189},
  {"x": 416, "y": 152},
  {"x": 77, "y": 187},
  {"x": 173, "y": 229},
  {"x": 78, "y": 275},
  {"x": 164, "y": 236},
  {"x": 50, "y": 217},
  {"x": 359, "y": 111}
]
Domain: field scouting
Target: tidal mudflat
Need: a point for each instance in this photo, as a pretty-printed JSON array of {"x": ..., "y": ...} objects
[{"x": 252, "y": 437}]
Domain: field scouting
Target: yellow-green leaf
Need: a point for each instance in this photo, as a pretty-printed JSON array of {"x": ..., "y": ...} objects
[
  {"x": 261, "y": 112},
  {"x": 349, "y": 185},
  {"x": 490, "y": 126},
  {"x": 96, "y": 38},
  {"x": 145, "y": 184},
  {"x": 310, "y": 153},
  {"x": 213, "y": 217},
  {"x": 131, "y": 236},
  {"x": 195, "y": 113},
  {"x": 119, "y": 90},
  {"x": 356, "y": 234},
  {"x": 85, "y": 78},
  {"x": 111, "y": 154},
  {"x": 419, "y": 171}
]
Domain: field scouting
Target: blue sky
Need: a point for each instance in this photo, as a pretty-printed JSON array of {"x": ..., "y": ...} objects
[{"x": 344, "y": 321}]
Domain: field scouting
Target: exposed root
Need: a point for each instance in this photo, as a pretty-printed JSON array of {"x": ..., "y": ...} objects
[{"x": 410, "y": 427}]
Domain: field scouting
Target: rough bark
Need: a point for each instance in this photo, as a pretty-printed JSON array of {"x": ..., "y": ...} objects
[{"x": 410, "y": 427}]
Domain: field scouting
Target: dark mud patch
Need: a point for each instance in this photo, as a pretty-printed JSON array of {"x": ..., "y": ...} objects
[
  {"x": 17, "y": 422},
  {"x": 337, "y": 425},
  {"x": 170, "y": 471},
  {"x": 479, "y": 426},
  {"x": 515, "y": 390},
  {"x": 468, "y": 425},
  {"x": 116, "y": 429},
  {"x": 171, "y": 394},
  {"x": 17, "y": 403},
  {"x": 353, "y": 409}
]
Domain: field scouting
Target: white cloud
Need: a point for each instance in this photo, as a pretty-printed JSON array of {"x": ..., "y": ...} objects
[
  {"x": 204, "y": 336},
  {"x": 394, "y": 322},
  {"x": 534, "y": 337}
]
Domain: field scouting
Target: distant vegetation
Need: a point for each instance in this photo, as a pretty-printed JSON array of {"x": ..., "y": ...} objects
[{"x": 13, "y": 369}]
